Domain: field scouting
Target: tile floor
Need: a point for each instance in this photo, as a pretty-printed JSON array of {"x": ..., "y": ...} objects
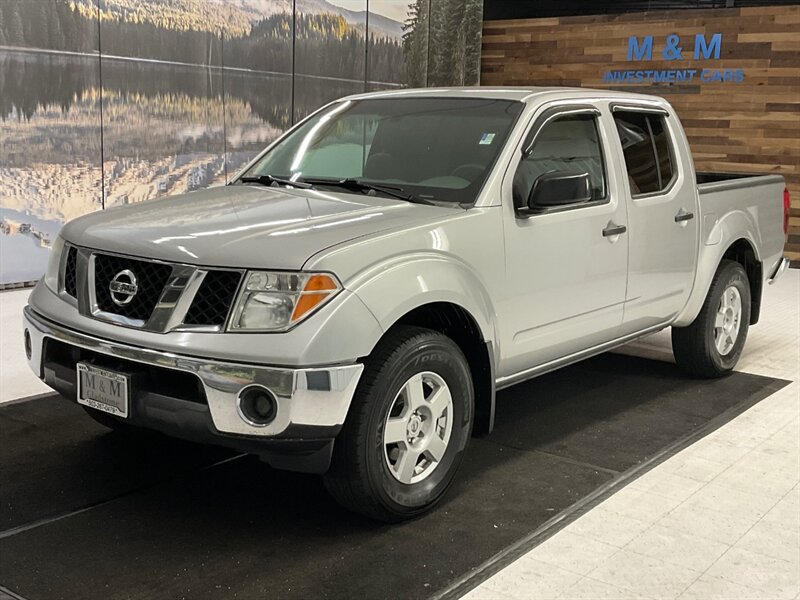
[
  {"x": 16, "y": 378},
  {"x": 720, "y": 519}
]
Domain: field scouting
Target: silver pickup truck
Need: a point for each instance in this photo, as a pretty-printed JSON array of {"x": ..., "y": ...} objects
[{"x": 350, "y": 303}]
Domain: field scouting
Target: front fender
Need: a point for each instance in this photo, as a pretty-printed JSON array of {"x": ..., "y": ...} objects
[
  {"x": 395, "y": 287},
  {"x": 717, "y": 237}
]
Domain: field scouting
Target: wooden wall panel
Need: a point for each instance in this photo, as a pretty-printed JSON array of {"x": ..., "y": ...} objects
[{"x": 751, "y": 126}]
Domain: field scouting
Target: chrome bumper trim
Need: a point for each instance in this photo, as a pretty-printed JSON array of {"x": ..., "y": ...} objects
[
  {"x": 783, "y": 264},
  {"x": 317, "y": 397}
]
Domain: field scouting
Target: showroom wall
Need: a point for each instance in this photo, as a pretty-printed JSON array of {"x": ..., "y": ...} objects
[
  {"x": 736, "y": 87},
  {"x": 108, "y": 102}
]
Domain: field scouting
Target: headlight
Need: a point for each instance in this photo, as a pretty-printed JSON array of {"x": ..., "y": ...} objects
[
  {"x": 273, "y": 301},
  {"x": 53, "y": 264}
]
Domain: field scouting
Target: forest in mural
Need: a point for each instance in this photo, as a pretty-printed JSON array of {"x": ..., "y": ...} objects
[{"x": 108, "y": 102}]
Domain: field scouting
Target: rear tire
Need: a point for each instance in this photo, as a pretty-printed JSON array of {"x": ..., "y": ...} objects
[
  {"x": 711, "y": 346},
  {"x": 408, "y": 427}
]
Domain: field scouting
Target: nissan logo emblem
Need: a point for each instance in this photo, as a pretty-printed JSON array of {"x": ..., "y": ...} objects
[{"x": 123, "y": 287}]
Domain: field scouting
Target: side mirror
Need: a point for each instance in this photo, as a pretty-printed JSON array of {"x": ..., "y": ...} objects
[{"x": 558, "y": 188}]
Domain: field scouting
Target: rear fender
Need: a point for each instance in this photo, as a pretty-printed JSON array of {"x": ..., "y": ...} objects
[{"x": 717, "y": 237}]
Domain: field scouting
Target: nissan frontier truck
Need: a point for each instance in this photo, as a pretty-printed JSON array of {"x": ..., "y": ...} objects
[{"x": 350, "y": 303}]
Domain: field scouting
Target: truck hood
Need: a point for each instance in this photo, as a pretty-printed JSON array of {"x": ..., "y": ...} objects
[{"x": 243, "y": 225}]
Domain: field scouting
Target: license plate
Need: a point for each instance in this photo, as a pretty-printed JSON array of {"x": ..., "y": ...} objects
[{"x": 103, "y": 389}]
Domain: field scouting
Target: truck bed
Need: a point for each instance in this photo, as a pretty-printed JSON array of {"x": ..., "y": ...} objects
[
  {"x": 708, "y": 181},
  {"x": 750, "y": 198}
]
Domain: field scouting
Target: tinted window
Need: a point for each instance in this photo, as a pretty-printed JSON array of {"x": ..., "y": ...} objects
[
  {"x": 646, "y": 146},
  {"x": 440, "y": 149},
  {"x": 661, "y": 139},
  {"x": 569, "y": 144}
]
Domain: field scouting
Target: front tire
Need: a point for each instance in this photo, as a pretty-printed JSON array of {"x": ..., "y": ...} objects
[
  {"x": 711, "y": 346},
  {"x": 407, "y": 429}
]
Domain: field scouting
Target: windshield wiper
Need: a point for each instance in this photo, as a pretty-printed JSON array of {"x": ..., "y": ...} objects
[
  {"x": 271, "y": 180},
  {"x": 362, "y": 186}
]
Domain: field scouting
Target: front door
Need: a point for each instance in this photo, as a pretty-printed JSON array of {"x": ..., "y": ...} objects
[{"x": 566, "y": 266}]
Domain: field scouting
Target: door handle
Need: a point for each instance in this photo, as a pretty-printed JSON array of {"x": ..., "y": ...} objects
[
  {"x": 612, "y": 230},
  {"x": 683, "y": 216}
]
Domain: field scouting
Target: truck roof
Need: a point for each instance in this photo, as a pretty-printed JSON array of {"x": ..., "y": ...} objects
[{"x": 520, "y": 94}]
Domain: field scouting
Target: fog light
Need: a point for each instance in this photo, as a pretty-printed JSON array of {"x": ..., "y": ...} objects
[
  {"x": 257, "y": 406},
  {"x": 28, "y": 345}
]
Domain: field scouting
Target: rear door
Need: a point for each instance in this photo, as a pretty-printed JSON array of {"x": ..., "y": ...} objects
[
  {"x": 565, "y": 277},
  {"x": 662, "y": 215}
]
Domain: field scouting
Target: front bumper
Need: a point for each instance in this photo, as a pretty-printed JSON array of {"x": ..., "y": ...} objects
[{"x": 311, "y": 402}]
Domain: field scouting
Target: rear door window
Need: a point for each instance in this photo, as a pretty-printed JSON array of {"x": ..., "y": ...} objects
[
  {"x": 646, "y": 147},
  {"x": 661, "y": 142}
]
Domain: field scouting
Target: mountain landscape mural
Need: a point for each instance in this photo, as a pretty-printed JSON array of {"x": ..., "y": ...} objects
[{"x": 109, "y": 102}]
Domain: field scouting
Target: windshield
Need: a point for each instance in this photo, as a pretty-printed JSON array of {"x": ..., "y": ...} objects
[{"x": 434, "y": 149}]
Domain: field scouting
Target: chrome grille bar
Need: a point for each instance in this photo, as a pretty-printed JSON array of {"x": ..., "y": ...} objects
[{"x": 175, "y": 299}]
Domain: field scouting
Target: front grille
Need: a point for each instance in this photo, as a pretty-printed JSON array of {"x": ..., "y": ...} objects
[
  {"x": 159, "y": 287},
  {"x": 151, "y": 277},
  {"x": 71, "y": 272},
  {"x": 214, "y": 298}
]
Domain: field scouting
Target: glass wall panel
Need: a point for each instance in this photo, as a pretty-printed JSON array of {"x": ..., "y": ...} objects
[
  {"x": 397, "y": 54},
  {"x": 329, "y": 52},
  {"x": 257, "y": 81},
  {"x": 49, "y": 128},
  {"x": 162, "y": 96},
  {"x": 454, "y": 48}
]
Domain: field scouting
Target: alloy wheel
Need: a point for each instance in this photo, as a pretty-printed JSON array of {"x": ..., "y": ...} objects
[
  {"x": 728, "y": 320},
  {"x": 418, "y": 427}
]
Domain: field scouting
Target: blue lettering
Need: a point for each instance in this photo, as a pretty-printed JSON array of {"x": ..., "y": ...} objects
[
  {"x": 615, "y": 76},
  {"x": 643, "y": 51},
  {"x": 704, "y": 48},
  {"x": 672, "y": 51}
]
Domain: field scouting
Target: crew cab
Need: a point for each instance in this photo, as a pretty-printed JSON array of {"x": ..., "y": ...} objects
[{"x": 350, "y": 303}]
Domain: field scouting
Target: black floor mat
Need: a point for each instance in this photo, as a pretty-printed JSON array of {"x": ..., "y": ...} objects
[
  {"x": 162, "y": 526},
  {"x": 55, "y": 459}
]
